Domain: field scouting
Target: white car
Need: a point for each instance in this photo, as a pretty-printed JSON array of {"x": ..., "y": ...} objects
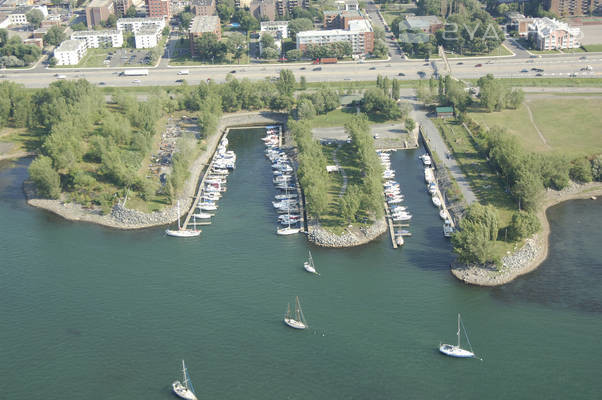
[{"x": 136, "y": 81}]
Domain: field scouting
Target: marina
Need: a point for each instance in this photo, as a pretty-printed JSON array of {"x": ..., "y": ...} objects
[
  {"x": 397, "y": 216},
  {"x": 86, "y": 304}
]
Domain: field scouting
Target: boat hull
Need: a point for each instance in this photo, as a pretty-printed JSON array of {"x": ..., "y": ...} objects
[
  {"x": 294, "y": 323},
  {"x": 309, "y": 268},
  {"x": 287, "y": 231},
  {"x": 455, "y": 351},
  {"x": 183, "y": 233},
  {"x": 182, "y": 391}
]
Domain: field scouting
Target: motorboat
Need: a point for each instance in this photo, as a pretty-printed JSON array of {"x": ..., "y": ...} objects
[
  {"x": 429, "y": 175},
  {"x": 448, "y": 229},
  {"x": 432, "y": 187},
  {"x": 436, "y": 200},
  {"x": 207, "y": 206},
  {"x": 202, "y": 215},
  {"x": 285, "y": 196},
  {"x": 443, "y": 214},
  {"x": 426, "y": 160}
]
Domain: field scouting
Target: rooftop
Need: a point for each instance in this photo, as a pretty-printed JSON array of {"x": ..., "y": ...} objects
[
  {"x": 132, "y": 20},
  {"x": 353, "y": 13},
  {"x": 70, "y": 45},
  {"x": 357, "y": 26},
  {"x": 204, "y": 24},
  {"x": 274, "y": 23},
  {"x": 100, "y": 3},
  {"x": 444, "y": 109},
  {"x": 106, "y": 32},
  {"x": 149, "y": 30},
  {"x": 201, "y": 2}
]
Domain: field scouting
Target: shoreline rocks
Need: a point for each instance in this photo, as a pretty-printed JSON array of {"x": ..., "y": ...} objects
[{"x": 351, "y": 237}]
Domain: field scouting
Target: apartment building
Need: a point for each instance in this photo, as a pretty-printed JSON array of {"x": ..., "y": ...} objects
[
  {"x": 158, "y": 8},
  {"x": 285, "y": 7},
  {"x": 201, "y": 25},
  {"x": 348, "y": 5},
  {"x": 339, "y": 19},
  {"x": 135, "y": 24},
  {"x": 263, "y": 9},
  {"x": 121, "y": 7},
  {"x": 70, "y": 52},
  {"x": 203, "y": 7},
  {"x": 279, "y": 29},
  {"x": 148, "y": 36},
  {"x": 550, "y": 34},
  {"x": 570, "y": 8},
  {"x": 98, "y": 11},
  {"x": 19, "y": 15},
  {"x": 101, "y": 38},
  {"x": 359, "y": 34}
]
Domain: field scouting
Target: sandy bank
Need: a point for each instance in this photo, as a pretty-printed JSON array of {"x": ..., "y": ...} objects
[
  {"x": 125, "y": 218},
  {"x": 534, "y": 251}
]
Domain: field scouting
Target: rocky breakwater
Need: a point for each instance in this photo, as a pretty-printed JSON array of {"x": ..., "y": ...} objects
[
  {"x": 351, "y": 237},
  {"x": 513, "y": 265}
]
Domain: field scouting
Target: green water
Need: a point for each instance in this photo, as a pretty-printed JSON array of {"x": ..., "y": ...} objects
[{"x": 88, "y": 312}]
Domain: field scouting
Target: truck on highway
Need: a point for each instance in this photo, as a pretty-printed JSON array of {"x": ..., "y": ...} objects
[
  {"x": 184, "y": 72},
  {"x": 135, "y": 72},
  {"x": 325, "y": 60}
]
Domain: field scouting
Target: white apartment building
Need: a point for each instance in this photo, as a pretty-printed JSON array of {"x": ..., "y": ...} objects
[
  {"x": 550, "y": 34},
  {"x": 359, "y": 34},
  {"x": 148, "y": 36},
  {"x": 70, "y": 52},
  {"x": 135, "y": 24},
  {"x": 18, "y": 16},
  {"x": 278, "y": 29},
  {"x": 102, "y": 38}
]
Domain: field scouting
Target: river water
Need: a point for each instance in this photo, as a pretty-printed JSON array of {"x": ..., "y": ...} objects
[{"x": 95, "y": 313}]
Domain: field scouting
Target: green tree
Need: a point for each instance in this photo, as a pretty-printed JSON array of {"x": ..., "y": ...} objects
[
  {"x": 597, "y": 168},
  {"x": 54, "y": 36},
  {"x": 299, "y": 25},
  {"x": 305, "y": 110},
  {"x": 131, "y": 12},
  {"x": 527, "y": 189},
  {"x": 380, "y": 49},
  {"x": 294, "y": 55},
  {"x": 395, "y": 89},
  {"x": 225, "y": 10},
  {"x": 111, "y": 21},
  {"x": 286, "y": 83},
  {"x": 267, "y": 41},
  {"x": 471, "y": 243},
  {"x": 184, "y": 19},
  {"x": 270, "y": 53},
  {"x": 35, "y": 18},
  {"x": 210, "y": 48},
  {"x": 46, "y": 179},
  {"x": 237, "y": 45},
  {"x": 410, "y": 124},
  {"x": 350, "y": 203},
  {"x": 523, "y": 224},
  {"x": 581, "y": 170},
  {"x": 302, "y": 83}
]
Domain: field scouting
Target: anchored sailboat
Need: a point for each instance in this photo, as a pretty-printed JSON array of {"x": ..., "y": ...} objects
[
  {"x": 184, "y": 389},
  {"x": 295, "y": 320},
  {"x": 455, "y": 350},
  {"x": 183, "y": 232},
  {"x": 309, "y": 265}
]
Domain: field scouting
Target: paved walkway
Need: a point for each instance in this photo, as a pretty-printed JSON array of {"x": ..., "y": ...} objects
[
  {"x": 437, "y": 144},
  {"x": 341, "y": 170}
]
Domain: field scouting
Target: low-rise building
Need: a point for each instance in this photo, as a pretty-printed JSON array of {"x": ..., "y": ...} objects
[
  {"x": 158, "y": 8},
  {"x": 359, "y": 34},
  {"x": 338, "y": 19},
  {"x": 285, "y": 7},
  {"x": 19, "y": 15},
  {"x": 203, "y": 7},
  {"x": 121, "y": 7},
  {"x": 278, "y": 28},
  {"x": 263, "y": 9},
  {"x": 70, "y": 52},
  {"x": 444, "y": 112},
  {"x": 200, "y": 26},
  {"x": 135, "y": 24},
  {"x": 425, "y": 23},
  {"x": 148, "y": 37},
  {"x": 348, "y": 5},
  {"x": 549, "y": 34},
  {"x": 101, "y": 38},
  {"x": 98, "y": 11}
]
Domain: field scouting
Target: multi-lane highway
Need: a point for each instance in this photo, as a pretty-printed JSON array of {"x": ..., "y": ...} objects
[{"x": 552, "y": 66}]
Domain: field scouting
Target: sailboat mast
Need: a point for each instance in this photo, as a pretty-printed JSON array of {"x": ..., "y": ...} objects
[
  {"x": 185, "y": 379},
  {"x": 458, "y": 329},
  {"x": 297, "y": 310},
  {"x": 178, "y": 207}
]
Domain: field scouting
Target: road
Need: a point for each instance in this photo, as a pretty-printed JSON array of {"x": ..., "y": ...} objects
[
  {"x": 553, "y": 66},
  {"x": 375, "y": 17}
]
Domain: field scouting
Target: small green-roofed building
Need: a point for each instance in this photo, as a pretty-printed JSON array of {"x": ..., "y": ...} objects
[{"x": 445, "y": 112}]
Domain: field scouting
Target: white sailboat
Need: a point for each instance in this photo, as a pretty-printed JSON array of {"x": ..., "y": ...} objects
[
  {"x": 310, "y": 266},
  {"x": 455, "y": 350},
  {"x": 296, "y": 320},
  {"x": 289, "y": 230},
  {"x": 184, "y": 389},
  {"x": 183, "y": 232}
]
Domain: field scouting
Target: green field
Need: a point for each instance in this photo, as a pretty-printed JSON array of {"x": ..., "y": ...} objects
[
  {"x": 568, "y": 124},
  {"x": 500, "y": 51},
  {"x": 592, "y": 47},
  {"x": 484, "y": 181}
]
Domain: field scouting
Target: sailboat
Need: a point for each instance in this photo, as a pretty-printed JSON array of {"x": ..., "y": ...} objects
[
  {"x": 309, "y": 265},
  {"x": 288, "y": 230},
  {"x": 183, "y": 232},
  {"x": 296, "y": 320},
  {"x": 185, "y": 389},
  {"x": 455, "y": 350}
]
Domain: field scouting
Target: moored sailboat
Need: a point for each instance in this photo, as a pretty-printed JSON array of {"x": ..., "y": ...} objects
[
  {"x": 184, "y": 389},
  {"x": 455, "y": 350},
  {"x": 296, "y": 319},
  {"x": 180, "y": 232}
]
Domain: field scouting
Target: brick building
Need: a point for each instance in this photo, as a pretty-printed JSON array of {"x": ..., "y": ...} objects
[
  {"x": 201, "y": 25},
  {"x": 158, "y": 8},
  {"x": 98, "y": 11},
  {"x": 340, "y": 19},
  {"x": 203, "y": 7},
  {"x": 569, "y": 8}
]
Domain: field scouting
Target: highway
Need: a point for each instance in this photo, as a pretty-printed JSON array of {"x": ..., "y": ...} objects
[{"x": 553, "y": 66}]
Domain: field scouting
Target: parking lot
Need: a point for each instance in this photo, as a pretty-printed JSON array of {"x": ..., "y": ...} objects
[{"x": 127, "y": 57}]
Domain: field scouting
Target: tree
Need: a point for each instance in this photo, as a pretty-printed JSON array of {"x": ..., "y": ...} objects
[
  {"x": 225, "y": 10},
  {"x": 210, "y": 48},
  {"x": 299, "y": 25},
  {"x": 294, "y": 55},
  {"x": 54, "y": 36},
  {"x": 523, "y": 224},
  {"x": 35, "y": 18},
  {"x": 286, "y": 82},
  {"x": 597, "y": 168},
  {"x": 581, "y": 170},
  {"x": 267, "y": 41},
  {"x": 305, "y": 110},
  {"x": 515, "y": 98},
  {"x": 395, "y": 89},
  {"x": 302, "y": 83},
  {"x": 80, "y": 26},
  {"x": 247, "y": 21},
  {"x": 131, "y": 12},
  {"x": 410, "y": 124},
  {"x": 527, "y": 188},
  {"x": 350, "y": 203},
  {"x": 46, "y": 179},
  {"x": 111, "y": 21},
  {"x": 3, "y": 37},
  {"x": 380, "y": 49},
  {"x": 237, "y": 45},
  {"x": 376, "y": 102},
  {"x": 471, "y": 243},
  {"x": 270, "y": 53},
  {"x": 379, "y": 32},
  {"x": 185, "y": 18},
  {"x": 52, "y": 61}
]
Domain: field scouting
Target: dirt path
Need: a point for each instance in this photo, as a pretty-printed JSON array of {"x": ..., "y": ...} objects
[
  {"x": 543, "y": 139},
  {"x": 341, "y": 170}
]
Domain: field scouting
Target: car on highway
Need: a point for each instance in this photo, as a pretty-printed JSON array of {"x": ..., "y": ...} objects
[
  {"x": 524, "y": 70},
  {"x": 58, "y": 76},
  {"x": 479, "y": 65},
  {"x": 101, "y": 83},
  {"x": 317, "y": 69},
  {"x": 372, "y": 68},
  {"x": 421, "y": 74},
  {"x": 426, "y": 64},
  {"x": 179, "y": 80},
  {"x": 233, "y": 71},
  {"x": 347, "y": 79},
  {"x": 573, "y": 75},
  {"x": 460, "y": 63},
  {"x": 401, "y": 74},
  {"x": 539, "y": 74},
  {"x": 302, "y": 68},
  {"x": 136, "y": 81},
  {"x": 583, "y": 58}
]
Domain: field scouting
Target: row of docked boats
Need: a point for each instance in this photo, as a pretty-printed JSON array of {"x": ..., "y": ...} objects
[
  {"x": 286, "y": 201},
  {"x": 433, "y": 189},
  {"x": 213, "y": 185},
  {"x": 392, "y": 190}
]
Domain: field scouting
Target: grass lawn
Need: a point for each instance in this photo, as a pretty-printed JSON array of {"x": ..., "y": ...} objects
[
  {"x": 569, "y": 125},
  {"x": 340, "y": 117},
  {"x": 500, "y": 51},
  {"x": 488, "y": 187},
  {"x": 22, "y": 138},
  {"x": 390, "y": 16},
  {"x": 592, "y": 47},
  {"x": 550, "y": 82}
]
